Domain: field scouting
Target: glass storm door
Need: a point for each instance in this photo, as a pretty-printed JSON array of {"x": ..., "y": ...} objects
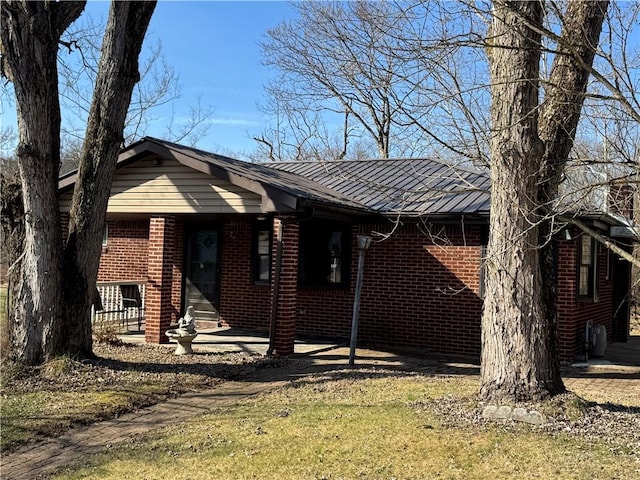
[{"x": 202, "y": 288}]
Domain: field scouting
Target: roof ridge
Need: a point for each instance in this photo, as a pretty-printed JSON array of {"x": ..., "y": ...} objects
[
  {"x": 380, "y": 160},
  {"x": 269, "y": 164}
]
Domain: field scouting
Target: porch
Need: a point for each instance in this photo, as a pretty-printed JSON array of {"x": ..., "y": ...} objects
[
  {"x": 619, "y": 356},
  {"x": 231, "y": 340}
]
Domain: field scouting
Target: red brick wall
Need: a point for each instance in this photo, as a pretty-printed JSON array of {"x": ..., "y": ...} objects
[
  {"x": 125, "y": 255},
  {"x": 427, "y": 314},
  {"x": 243, "y": 304},
  {"x": 568, "y": 323},
  {"x": 573, "y": 313},
  {"x": 421, "y": 288},
  {"x": 416, "y": 294},
  {"x": 286, "y": 324},
  {"x": 178, "y": 309}
]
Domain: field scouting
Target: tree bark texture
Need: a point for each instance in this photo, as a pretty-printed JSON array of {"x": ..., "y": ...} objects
[
  {"x": 29, "y": 35},
  {"x": 559, "y": 117},
  {"x": 516, "y": 358},
  {"x": 529, "y": 154},
  {"x": 117, "y": 75}
]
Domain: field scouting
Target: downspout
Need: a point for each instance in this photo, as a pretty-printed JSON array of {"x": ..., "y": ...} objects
[{"x": 276, "y": 291}]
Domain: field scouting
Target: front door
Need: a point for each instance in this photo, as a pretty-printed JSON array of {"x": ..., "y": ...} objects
[{"x": 202, "y": 285}]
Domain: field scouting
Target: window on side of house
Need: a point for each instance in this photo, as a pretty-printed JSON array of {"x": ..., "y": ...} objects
[
  {"x": 325, "y": 252},
  {"x": 105, "y": 235},
  {"x": 586, "y": 268},
  {"x": 262, "y": 252}
]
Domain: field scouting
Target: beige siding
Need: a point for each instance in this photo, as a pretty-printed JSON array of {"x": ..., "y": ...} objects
[{"x": 173, "y": 188}]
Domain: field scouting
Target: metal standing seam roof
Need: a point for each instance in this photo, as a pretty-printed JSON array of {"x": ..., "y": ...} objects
[
  {"x": 408, "y": 186},
  {"x": 404, "y": 186},
  {"x": 288, "y": 182}
]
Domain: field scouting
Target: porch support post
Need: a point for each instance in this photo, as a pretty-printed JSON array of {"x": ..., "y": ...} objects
[
  {"x": 284, "y": 287},
  {"x": 160, "y": 275}
]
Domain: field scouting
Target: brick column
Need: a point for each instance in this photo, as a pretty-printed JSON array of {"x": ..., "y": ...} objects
[
  {"x": 158, "y": 312},
  {"x": 285, "y": 331}
]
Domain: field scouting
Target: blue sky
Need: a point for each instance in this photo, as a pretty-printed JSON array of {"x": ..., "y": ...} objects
[{"x": 214, "y": 48}]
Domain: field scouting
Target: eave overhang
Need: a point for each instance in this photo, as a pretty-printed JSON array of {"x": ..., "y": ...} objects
[{"x": 273, "y": 199}]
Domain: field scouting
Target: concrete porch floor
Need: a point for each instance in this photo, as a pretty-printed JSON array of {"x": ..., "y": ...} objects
[
  {"x": 618, "y": 355},
  {"x": 229, "y": 340},
  {"x": 625, "y": 355}
]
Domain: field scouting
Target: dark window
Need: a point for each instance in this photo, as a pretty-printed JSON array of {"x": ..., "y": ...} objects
[
  {"x": 324, "y": 256},
  {"x": 586, "y": 267},
  {"x": 262, "y": 252}
]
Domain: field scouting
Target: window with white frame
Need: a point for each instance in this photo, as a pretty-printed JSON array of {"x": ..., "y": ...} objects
[
  {"x": 587, "y": 268},
  {"x": 262, "y": 251}
]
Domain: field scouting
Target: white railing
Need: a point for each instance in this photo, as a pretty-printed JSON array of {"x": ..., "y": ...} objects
[{"x": 114, "y": 309}]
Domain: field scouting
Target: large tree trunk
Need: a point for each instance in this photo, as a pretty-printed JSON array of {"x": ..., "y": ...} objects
[
  {"x": 51, "y": 308},
  {"x": 117, "y": 75},
  {"x": 520, "y": 349},
  {"x": 559, "y": 117},
  {"x": 30, "y": 34},
  {"x": 517, "y": 363}
]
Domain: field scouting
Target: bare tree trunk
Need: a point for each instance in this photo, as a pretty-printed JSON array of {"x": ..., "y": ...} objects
[
  {"x": 560, "y": 113},
  {"x": 30, "y": 34},
  {"x": 520, "y": 349},
  {"x": 50, "y": 316},
  {"x": 117, "y": 75},
  {"x": 515, "y": 353}
]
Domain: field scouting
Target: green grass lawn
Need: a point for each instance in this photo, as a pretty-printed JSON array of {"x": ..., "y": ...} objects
[
  {"x": 46, "y": 400},
  {"x": 352, "y": 428},
  {"x": 350, "y": 424}
]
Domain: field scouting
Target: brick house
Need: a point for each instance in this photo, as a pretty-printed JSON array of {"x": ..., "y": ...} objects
[{"x": 273, "y": 247}]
